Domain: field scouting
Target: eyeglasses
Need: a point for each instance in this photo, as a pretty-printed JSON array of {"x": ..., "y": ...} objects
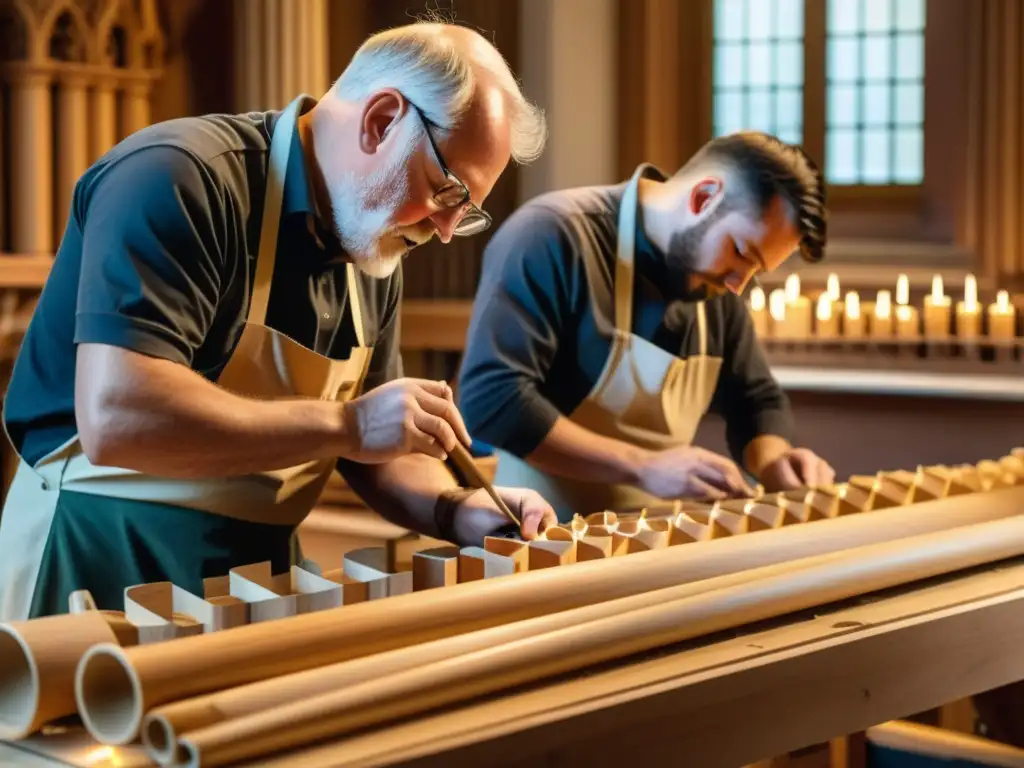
[{"x": 455, "y": 194}]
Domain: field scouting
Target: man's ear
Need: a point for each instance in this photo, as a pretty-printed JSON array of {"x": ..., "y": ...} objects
[
  {"x": 704, "y": 192},
  {"x": 382, "y": 110}
]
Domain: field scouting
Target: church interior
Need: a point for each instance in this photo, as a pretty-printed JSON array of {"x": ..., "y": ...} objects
[{"x": 850, "y": 626}]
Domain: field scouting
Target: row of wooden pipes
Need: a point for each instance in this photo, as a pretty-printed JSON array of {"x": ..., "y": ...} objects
[
  {"x": 251, "y": 594},
  {"x": 54, "y": 666}
]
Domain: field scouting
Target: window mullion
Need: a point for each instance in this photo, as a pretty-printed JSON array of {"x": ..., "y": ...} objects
[{"x": 815, "y": 63}]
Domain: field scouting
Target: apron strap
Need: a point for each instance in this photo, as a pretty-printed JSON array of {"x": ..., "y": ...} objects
[
  {"x": 277, "y": 170},
  {"x": 702, "y": 329},
  {"x": 624, "y": 263},
  {"x": 355, "y": 303}
]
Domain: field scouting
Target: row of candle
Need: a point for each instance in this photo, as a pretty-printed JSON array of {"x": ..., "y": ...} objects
[{"x": 787, "y": 313}]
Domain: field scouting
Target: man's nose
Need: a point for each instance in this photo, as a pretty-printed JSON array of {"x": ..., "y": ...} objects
[
  {"x": 737, "y": 281},
  {"x": 445, "y": 222}
]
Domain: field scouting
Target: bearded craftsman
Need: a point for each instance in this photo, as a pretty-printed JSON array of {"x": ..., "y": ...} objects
[
  {"x": 610, "y": 319},
  {"x": 220, "y": 330}
]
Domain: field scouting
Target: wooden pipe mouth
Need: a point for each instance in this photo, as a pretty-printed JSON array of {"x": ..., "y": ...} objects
[
  {"x": 19, "y": 685},
  {"x": 109, "y": 695},
  {"x": 161, "y": 741}
]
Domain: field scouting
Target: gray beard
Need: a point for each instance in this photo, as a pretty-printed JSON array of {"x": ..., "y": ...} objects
[{"x": 363, "y": 212}]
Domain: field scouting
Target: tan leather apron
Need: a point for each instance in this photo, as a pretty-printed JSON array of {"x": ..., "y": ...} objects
[
  {"x": 645, "y": 396},
  {"x": 265, "y": 364}
]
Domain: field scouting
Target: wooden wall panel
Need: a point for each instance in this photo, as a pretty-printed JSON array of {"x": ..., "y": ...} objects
[{"x": 995, "y": 226}]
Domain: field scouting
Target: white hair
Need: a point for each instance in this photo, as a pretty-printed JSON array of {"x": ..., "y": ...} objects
[{"x": 438, "y": 74}]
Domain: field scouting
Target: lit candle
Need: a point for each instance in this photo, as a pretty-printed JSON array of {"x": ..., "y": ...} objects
[
  {"x": 777, "y": 310},
  {"x": 902, "y": 290},
  {"x": 907, "y": 325},
  {"x": 834, "y": 295},
  {"x": 1002, "y": 318},
  {"x": 936, "y": 311},
  {"x": 798, "y": 309},
  {"x": 881, "y": 318},
  {"x": 853, "y": 322},
  {"x": 828, "y": 321},
  {"x": 907, "y": 322},
  {"x": 758, "y": 311},
  {"x": 968, "y": 313},
  {"x": 832, "y": 287}
]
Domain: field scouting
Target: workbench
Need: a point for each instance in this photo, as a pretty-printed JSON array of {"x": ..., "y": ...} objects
[{"x": 726, "y": 701}]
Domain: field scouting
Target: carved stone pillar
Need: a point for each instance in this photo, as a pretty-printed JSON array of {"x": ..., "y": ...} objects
[
  {"x": 102, "y": 116},
  {"x": 135, "y": 106},
  {"x": 72, "y": 143},
  {"x": 280, "y": 51},
  {"x": 31, "y": 163}
]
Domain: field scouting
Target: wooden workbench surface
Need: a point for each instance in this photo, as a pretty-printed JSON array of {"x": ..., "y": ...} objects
[{"x": 727, "y": 701}]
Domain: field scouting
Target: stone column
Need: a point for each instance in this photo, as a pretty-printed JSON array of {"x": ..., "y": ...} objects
[
  {"x": 72, "y": 120},
  {"x": 102, "y": 116},
  {"x": 135, "y": 106},
  {"x": 280, "y": 51},
  {"x": 31, "y": 163}
]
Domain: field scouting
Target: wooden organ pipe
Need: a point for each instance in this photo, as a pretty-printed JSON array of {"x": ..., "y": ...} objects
[{"x": 115, "y": 687}]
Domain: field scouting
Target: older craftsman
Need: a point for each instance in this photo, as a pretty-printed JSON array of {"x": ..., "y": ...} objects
[
  {"x": 609, "y": 320},
  {"x": 225, "y": 289}
]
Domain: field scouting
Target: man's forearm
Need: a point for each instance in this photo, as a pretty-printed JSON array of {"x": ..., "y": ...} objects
[
  {"x": 404, "y": 490},
  {"x": 156, "y": 416},
  {"x": 762, "y": 451},
  {"x": 575, "y": 452}
]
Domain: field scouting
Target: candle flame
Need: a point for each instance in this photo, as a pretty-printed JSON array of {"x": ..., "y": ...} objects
[
  {"x": 757, "y": 298},
  {"x": 777, "y": 305},
  {"x": 938, "y": 297},
  {"x": 832, "y": 287},
  {"x": 902, "y": 290},
  {"x": 970, "y": 292},
  {"x": 1003, "y": 302},
  {"x": 792, "y": 288},
  {"x": 824, "y": 309},
  {"x": 578, "y": 526},
  {"x": 904, "y": 313},
  {"x": 883, "y": 305},
  {"x": 852, "y": 305}
]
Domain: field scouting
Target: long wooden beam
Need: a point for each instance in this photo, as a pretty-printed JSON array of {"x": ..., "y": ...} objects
[{"x": 734, "y": 701}]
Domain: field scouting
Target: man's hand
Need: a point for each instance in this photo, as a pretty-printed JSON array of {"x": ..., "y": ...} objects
[
  {"x": 401, "y": 417},
  {"x": 478, "y": 515},
  {"x": 797, "y": 468},
  {"x": 691, "y": 472}
]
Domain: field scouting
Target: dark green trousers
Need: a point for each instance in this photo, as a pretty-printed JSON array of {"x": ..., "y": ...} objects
[{"x": 105, "y": 545}]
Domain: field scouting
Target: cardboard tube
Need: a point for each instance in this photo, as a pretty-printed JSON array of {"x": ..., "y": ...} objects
[
  {"x": 38, "y": 659},
  {"x": 114, "y": 687},
  {"x": 854, "y": 572},
  {"x": 163, "y": 726}
]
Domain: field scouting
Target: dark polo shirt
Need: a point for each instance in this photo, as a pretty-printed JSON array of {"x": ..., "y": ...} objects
[
  {"x": 543, "y": 320},
  {"x": 159, "y": 254}
]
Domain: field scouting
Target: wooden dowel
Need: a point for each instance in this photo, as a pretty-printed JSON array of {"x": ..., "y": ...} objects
[
  {"x": 854, "y": 572},
  {"x": 115, "y": 686},
  {"x": 164, "y": 725}
]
